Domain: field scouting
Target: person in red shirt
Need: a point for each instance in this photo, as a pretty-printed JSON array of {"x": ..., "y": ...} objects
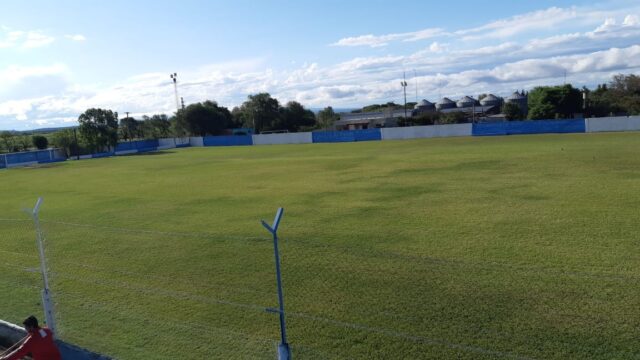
[{"x": 38, "y": 344}]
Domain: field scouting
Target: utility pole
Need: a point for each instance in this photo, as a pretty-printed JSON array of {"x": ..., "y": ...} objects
[
  {"x": 182, "y": 102},
  {"x": 404, "y": 84},
  {"x": 174, "y": 77}
]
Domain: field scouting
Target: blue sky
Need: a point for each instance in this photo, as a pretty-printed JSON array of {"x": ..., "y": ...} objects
[{"x": 59, "y": 58}]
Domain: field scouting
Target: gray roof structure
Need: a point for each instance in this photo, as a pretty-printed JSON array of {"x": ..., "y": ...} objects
[
  {"x": 490, "y": 100},
  {"x": 469, "y": 109},
  {"x": 357, "y": 118},
  {"x": 466, "y": 101},
  {"x": 516, "y": 96},
  {"x": 424, "y": 104},
  {"x": 445, "y": 103}
]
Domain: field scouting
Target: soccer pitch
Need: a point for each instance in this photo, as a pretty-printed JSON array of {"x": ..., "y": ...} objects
[{"x": 474, "y": 248}]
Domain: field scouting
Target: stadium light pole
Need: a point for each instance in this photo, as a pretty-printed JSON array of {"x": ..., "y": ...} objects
[
  {"x": 404, "y": 84},
  {"x": 47, "y": 304},
  {"x": 174, "y": 77},
  {"x": 283, "y": 349}
]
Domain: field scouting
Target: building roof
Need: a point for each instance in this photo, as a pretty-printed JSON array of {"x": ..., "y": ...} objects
[
  {"x": 424, "y": 103},
  {"x": 466, "y": 101},
  {"x": 352, "y": 118},
  {"x": 516, "y": 96},
  {"x": 490, "y": 97},
  {"x": 476, "y": 109},
  {"x": 445, "y": 100}
]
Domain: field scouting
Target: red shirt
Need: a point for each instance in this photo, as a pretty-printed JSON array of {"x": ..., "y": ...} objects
[{"x": 39, "y": 344}]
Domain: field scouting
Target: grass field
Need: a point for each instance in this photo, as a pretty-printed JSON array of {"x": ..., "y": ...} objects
[{"x": 472, "y": 248}]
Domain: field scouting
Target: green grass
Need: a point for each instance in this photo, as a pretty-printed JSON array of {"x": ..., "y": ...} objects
[{"x": 474, "y": 248}]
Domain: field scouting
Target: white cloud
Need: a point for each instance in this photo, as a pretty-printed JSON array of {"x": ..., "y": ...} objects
[
  {"x": 316, "y": 86},
  {"x": 23, "y": 39},
  {"x": 536, "y": 20},
  {"x": 383, "y": 40},
  {"x": 35, "y": 39},
  {"x": 531, "y": 22},
  {"x": 609, "y": 24},
  {"x": 436, "y": 47},
  {"x": 76, "y": 37},
  {"x": 17, "y": 108},
  {"x": 631, "y": 20},
  {"x": 16, "y": 73}
]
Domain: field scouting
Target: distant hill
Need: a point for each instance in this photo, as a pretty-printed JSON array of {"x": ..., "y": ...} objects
[{"x": 48, "y": 130}]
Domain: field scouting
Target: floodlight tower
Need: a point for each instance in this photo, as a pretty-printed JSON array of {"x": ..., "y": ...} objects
[
  {"x": 174, "y": 77},
  {"x": 404, "y": 84}
]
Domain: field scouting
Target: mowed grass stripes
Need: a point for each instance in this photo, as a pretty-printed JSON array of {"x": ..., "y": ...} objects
[{"x": 474, "y": 248}]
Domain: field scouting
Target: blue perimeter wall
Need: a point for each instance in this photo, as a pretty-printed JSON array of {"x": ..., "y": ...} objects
[
  {"x": 228, "y": 140},
  {"x": 529, "y": 127},
  {"x": 479, "y": 129},
  {"x": 139, "y": 146},
  {"x": 346, "y": 136},
  {"x": 40, "y": 156}
]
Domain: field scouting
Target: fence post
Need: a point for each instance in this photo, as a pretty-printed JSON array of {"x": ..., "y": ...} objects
[
  {"x": 46, "y": 293},
  {"x": 283, "y": 349}
]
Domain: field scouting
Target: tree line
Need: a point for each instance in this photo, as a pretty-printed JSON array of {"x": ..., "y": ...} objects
[
  {"x": 15, "y": 142},
  {"x": 101, "y": 129}
]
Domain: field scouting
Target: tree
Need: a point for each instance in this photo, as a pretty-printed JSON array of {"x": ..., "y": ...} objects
[
  {"x": 65, "y": 140},
  {"x": 8, "y": 141},
  {"x": 40, "y": 142},
  {"x": 294, "y": 116},
  {"x": 129, "y": 128},
  {"x": 24, "y": 142},
  {"x": 427, "y": 118},
  {"x": 326, "y": 118},
  {"x": 156, "y": 126},
  {"x": 621, "y": 96},
  {"x": 260, "y": 112},
  {"x": 205, "y": 118},
  {"x": 455, "y": 117},
  {"x": 99, "y": 128},
  {"x": 176, "y": 127},
  {"x": 512, "y": 111},
  {"x": 548, "y": 102}
]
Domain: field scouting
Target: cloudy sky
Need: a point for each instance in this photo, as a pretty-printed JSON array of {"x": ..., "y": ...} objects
[{"x": 58, "y": 58}]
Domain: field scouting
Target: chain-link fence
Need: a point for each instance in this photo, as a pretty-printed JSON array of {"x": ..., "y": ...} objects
[{"x": 140, "y": 293}]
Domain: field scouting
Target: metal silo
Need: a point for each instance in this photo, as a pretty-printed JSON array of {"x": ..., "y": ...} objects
[{"x": 445, "y": 103}]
